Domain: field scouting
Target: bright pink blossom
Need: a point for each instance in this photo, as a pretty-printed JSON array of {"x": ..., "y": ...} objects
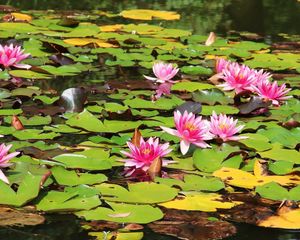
[
  {"x": 221, "y": 64},
  {"x": 12, "y": 55},
  {"x": 272, "y": 92},
  {"x": 225, "y": 127},
  {"x": 4, "y": 158},
  {"x": 191, "y": 130},
  {"x": 261, "y": 76},
  {"x": 164, "y": 72},
  {"x": 238, "y": 77},
  {"x": 141, "y": 157}
]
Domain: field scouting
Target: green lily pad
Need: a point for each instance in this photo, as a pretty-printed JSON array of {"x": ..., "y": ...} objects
[
  {"x": 68, "y": 201},
  {"x": 210, "y": 160},
  {"x": 72, "y": 178},
  {"x": 143, "y": 192},
  {"x": 123, "y": 213},
  {"x": 280, "y": 154},
  {"x": 34, "y": 134},
  {"x": 90, "y": 159},
  {"x": 191, "y": 86},
  {"x": 24, "y": 194},
  {"x": 274, "y": 191}
]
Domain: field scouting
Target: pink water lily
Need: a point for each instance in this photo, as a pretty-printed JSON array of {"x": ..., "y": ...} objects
[
  {"x": 272, "y": 92},
  {"x": 261, "y": 76},
  {"x": 238, "y": 77},
  {"x": 225, "y": 127},
  {"x": 141, "y": 157},
  {"x": 12, "y": 56},
  {"x": 221, "y": 64},
  {"x": 164, "y": 72},
  {"x": 4, "y": 158},
  {"x": 191, "y": 130}
]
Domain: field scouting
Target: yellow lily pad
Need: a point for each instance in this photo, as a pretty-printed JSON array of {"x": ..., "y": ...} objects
[
  {"x": 111, "y": 28},
  {"x": 145, "y": 14},
  {"x": 243, "y": 179},
  {"x": 21, "y": 17},
  {"x": 208, "y": 202},
  {"x": 288, "y": 220},
  {"x": 86, "y": 41}
]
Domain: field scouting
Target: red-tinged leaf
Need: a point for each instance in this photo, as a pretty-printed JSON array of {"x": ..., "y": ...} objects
[
  {"x": 136, "y": 138},
  {"x": 16, "y": 123},
  {"x": 155, "y": 168},
  {"x": 133, "y": 227},
  {"x": 45, "y": 177},
  {"x": 211, "y": 39}
]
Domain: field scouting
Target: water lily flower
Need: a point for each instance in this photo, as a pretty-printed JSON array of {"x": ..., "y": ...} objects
[
  {"x": 163, "y": 89},
  {"x": 225, "y": 127},
  {"x": 140, "y": 157},
  {"x": 272, "y": 92},
  {"x": 221, "y": 64},
  {"x": 12, "y": 55},
  {"x": 191, "y": 130},
  {"x": 261, "y": 76},
  {"x": 164, "y": 72},
  {"x": 238, "y": 77},
  {"x": 4, "y": 158}
]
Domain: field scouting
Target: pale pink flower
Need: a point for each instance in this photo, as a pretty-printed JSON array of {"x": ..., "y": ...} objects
[
  {"x": 12, "y": 55},
  {"x": 191, "y": 130},
  {"x": 141, "y": 157},
  {"x": 272, "y": 92},
  {"x": 261, "y": 76},
  {"x": 163, "y": 89},
  {"x": 4, "y": 158},
  {"x": 164, "y": 72},
  {"x": 238, "y": 77},
  {"x": 225, "y": 127}
]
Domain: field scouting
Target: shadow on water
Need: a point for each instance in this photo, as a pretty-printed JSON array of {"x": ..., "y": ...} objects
[{"x": 67, "y": 227}]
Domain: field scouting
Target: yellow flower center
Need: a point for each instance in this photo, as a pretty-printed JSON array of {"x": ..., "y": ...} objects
[
  {"x": 190, "y": 126},
  {"x": 146, "y": 151},
  {"x": 223, "y": 126}
]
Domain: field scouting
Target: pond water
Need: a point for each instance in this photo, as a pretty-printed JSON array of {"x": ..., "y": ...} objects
[{"x": 268, "y": 18}]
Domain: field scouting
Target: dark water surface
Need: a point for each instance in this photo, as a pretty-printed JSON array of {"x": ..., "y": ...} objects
[
  {"x": 201, "y": 16},
  {"x": 266, "y": 17}
]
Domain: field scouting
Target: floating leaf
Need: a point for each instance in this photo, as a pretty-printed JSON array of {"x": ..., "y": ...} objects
[
  {"x": 145, "y": 14},
  {"x": 143, "y": 192},
  {"x": 72, "y": 178},
  {"x": 68, "y": 201},
  {"x": 24, "y": 194},
  {"x": 240, "y": 178},
  {"x": 190, "y": 86},
  {"x": 142, "y": 214},
  {"x": 286, "y": 219},
  {"x": 90, "y": 159},
  {"x": 206, "y": 202},
  {"x": 278, "y": 153}
]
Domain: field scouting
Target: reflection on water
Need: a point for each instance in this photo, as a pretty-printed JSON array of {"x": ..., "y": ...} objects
[
  {"x": 66, "y": 227},
  {"x": 201, "y": 16}
]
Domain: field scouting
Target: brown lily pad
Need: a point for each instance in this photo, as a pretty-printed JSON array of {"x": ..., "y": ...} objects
[
  {"x": 192, "y": 225},
  {"x": 13, "y": 217}
]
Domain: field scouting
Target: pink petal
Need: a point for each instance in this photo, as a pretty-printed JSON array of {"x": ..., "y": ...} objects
[
  {"x": 3, "y": 177},
  {"x": 184, "y": 147}
]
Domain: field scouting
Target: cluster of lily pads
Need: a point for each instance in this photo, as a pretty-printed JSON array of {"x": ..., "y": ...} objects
[{"x": 70, "y": 145}]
